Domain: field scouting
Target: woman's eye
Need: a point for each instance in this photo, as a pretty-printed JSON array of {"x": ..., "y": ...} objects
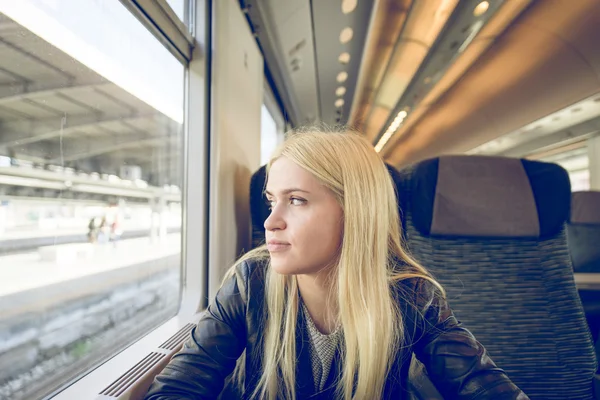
[{"x": 293, "y": 201}]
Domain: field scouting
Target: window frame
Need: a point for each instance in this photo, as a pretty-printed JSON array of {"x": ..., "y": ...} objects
[{"x": 160, "y": 19}]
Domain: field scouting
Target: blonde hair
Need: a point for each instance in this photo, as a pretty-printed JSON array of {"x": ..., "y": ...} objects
[{"x": 369, "y": 315}]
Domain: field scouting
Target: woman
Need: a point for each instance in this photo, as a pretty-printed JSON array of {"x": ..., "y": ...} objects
[{"x": 332, "y": 306}]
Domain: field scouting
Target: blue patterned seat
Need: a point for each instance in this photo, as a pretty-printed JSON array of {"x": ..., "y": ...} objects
[
  {"x": 491, "y": 230},
  {"x": 583, "y": 234},
  {"x": 583, "y": 231}
]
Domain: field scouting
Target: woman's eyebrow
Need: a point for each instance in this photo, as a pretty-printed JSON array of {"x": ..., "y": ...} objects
[{"x": 288, "y": 191}]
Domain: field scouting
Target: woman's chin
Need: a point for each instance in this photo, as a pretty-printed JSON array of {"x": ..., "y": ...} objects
[{"x": 281, "y": 267}]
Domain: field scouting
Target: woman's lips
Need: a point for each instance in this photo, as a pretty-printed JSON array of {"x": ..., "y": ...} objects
[{"x": 275, "y": 246}]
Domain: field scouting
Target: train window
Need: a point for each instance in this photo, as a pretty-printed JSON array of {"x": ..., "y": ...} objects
[
  {"x": 179, "y": 6},
  {"x": 272, "y": 125},
  {"x": 268, "y": 135},
  {"x": 91, "y": 114}
]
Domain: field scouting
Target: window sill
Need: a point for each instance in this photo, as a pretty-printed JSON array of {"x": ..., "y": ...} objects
[{"x": 95, "y": 381}]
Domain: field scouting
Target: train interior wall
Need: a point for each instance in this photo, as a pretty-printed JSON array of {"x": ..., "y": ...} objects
[{"x": 237, "y": 99}]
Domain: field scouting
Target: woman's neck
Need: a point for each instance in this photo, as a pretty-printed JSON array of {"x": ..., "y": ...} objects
[{"x": 321, "y": 304}]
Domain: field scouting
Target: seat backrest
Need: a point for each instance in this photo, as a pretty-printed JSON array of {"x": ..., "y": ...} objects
[
  {"x": 583, "y": 232},
  {"x": 491, "y": 230},
  {"x": 259, "y": 209}
]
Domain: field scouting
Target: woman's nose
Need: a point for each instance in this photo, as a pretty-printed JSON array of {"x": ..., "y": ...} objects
[{"x": 275, "y": 220}]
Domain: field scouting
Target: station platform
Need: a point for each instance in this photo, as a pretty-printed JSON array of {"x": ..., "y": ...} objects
[
  {"x": 35, "y": 232},
  {"x": 22, "y": 240},
  {"x": 27, "y": 282}
]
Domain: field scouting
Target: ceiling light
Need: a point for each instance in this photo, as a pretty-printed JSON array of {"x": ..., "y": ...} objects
[
  {"x": 339, "y": 103},
  {"x": 342, "y": 76},
  {"x": 481, "y": 8},
  {"x": 340, "y": 91},
  {"x": 346, "y": 35},
  {"x": 348, "y": 6},
  {"x": 391, "y": 130},
  {"x": 344, "y": 58}
]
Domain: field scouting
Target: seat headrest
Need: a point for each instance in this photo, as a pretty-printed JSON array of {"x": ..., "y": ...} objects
[
  {"x": 485, "y": 196},
  {"x": 585, "y": 208},
  {"x": 259, "y": 210},
  {"x": 395, "y": 175}
]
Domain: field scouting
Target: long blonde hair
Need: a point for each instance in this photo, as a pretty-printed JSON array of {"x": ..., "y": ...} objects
[{"x": 371, "y": 260}]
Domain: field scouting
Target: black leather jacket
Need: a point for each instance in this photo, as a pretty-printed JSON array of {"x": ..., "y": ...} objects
[{"x": 456, "y": 363}]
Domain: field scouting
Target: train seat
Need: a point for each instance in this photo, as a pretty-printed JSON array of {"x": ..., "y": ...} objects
[
  {"x": 583, "y": 235},
  {"x": 491, "y": 230},
  {"x": 259, "y": 210},
  {"x": 583, "y": 232}
]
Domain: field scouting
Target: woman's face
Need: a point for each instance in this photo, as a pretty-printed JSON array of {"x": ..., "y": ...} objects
[{"x": 305, "y": 228}]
